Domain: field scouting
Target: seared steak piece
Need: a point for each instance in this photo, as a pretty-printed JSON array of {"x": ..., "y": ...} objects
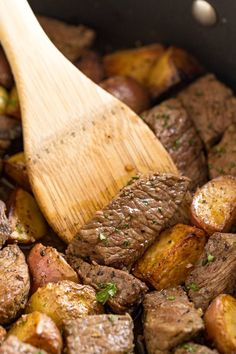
[
  {"x": 173, "y": 127},
  {"x": 5, "y": 228},
  {"x": 194, "y": 348},
  {"x": 222, "y": 157},
  {"x": 120, "y": 233},
  {"x": 169, "y": 319},
  {"x": 13, "y": 346},
  {"x": 211, "y": 106},
  {"x": 215, "y": 272},
  {"x": 69, "y": 39},
  {"x": 182, "y": 214},
  {"x": 101, "y": 334},
  {"x": 14, "y": 283},
  {"x": 129, "y": 290}
]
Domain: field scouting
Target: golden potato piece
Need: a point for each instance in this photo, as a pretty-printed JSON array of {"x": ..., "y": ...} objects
[
  {"x": 170, "y": 259},
  {"x": 174, "y": 66},
  {"x": 135, "y": 63},
  {"x": 13, "y": 104},
  {"x": 214, "y": 205},
  {"x": 38, "y": 330},
  {"x": 47, "y": 265},
  {"x": 15, "y": 168},
  {"x": 129, "y": 91},
  {"x": 220, "y": 323},
  {"x": 25, "y": 217},
  {"x": 64, "y": 300}
]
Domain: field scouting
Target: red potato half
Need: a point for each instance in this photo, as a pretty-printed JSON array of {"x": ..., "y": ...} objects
[
  {"x": 214, "y": 205},
  {"x": 47, "y": 265},
  {"x": 220, "y": 322}
]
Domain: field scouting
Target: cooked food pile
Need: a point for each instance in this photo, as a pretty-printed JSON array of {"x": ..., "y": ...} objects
[{"x": 155, "y": 270}]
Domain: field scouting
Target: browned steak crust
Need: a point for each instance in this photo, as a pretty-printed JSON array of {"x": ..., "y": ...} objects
[
  {"x": 120, "y": 233},
  {"x": 173, "y": 127},
  {"x": 13, "y": 346},
  {"x": 169, "y": 319}
]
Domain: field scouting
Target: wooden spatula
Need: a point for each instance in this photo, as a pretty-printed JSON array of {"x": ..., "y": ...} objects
[{"x": 82, "y": 145}]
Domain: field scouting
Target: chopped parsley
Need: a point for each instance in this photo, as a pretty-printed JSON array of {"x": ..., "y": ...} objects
[
  {"x": 159, "y": 209},
  {"x": 193, "y": 286},
  {"x": 111, "y": 318},
  {"x": 210, "y": 258},
  {"x": 102, "y": 237},
  {"x": 154, "y": 222},
  {"x": 107, "y": 290},
  {"x": 189, "y": 348},
  {"x": 126, "y": 243},
  {"x": 171, "y": 297}
]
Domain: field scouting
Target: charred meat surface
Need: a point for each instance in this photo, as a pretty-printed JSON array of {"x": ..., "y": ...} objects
[
  {"x": 120, "y": 233},
  {"x": 173, "y": 127},
  {"x": 5, "y": 228},
  {"x": 222, "y": 157},
  {"x": 14, "y": 283},
  {"x": 187, "y": 348},
  {"x": 169, "y": 320},
  {"x": 215, "y": 272},
  {"x": 129, "y": 290},
  {"x": 13, "y": 346},
  {"x": 211, "y": 106},
  {"x": 69, "y": 39},
  {"x": 101, "y": 334}
]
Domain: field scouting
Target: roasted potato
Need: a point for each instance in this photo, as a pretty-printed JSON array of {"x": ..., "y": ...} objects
[
  {"x": 3, "y": 334},
  {"x": 170, "y": 259},
  {"x": 220, "y": 323},
  {"x": 13, "y": 104},
  {"x": 38, "y": 330},
  {"x": 214, "y": 205},
  {"x": 15, "y": 168},
  {"x": 92, "y": 66},
  {"x": 6, "y": 78},
  {"x": 25, "y": 217},
  {"x": 174, "y": 66},
  {"x": 64, "y": 300},
  {"x": 3, "y": 100},
  {"x": 135, "y": 63},
  {"x": 47, "y": 265},
  {"x": 129, "y": 91}
]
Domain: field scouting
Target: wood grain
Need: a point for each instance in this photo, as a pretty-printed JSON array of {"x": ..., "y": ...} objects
[{"x": 82, "y": 145}]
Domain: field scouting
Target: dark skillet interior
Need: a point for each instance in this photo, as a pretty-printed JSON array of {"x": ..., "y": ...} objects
[{"x": 125, "y": 22}]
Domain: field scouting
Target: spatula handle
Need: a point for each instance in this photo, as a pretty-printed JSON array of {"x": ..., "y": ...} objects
[{"x": 22, "y": 37}]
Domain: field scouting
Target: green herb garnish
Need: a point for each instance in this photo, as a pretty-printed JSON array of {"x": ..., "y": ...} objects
[
  {"x": 193, "y": 286},
  {"x": 107, "y": 290},
  {"x": 102, "y": 237},
  {"x": 126, "y": 243},
  {"x": 171, "y": 298},
  {"x": 189, "y": 348}
]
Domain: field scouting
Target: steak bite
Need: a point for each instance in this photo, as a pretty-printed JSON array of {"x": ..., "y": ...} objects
[
  {"x": 120, "y": 233},
  {"x": 222, "y": 157},
  {"x": 5, "y": 228},
  {"x": 215, "y": 272},
  {"x": 187, "y": 348},
  {"x": 169, "y": 320},
  {"x": 103, "y": 334},
  {"x": 14, "y": 283},
  {"x": 129, "y": 290},
  {"x": 211, "y": 106},
  {"x": 13, "y": 346},
  {"x": 173, "y": 127}
]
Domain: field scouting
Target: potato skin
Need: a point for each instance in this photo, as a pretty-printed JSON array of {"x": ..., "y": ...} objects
[
  {"x": 92, "y": 66},
  {"x": 129, "y": 91},
  {"x": 15, "y": 168},
  {"x": 47, "y": 265},
  {"x": 220, "y": 323},
  {"x": 214, "y": 205},
  {"x": 25, "y": 217},
  {"x": 135, "y": 62},
  {"x": 13, "y": 105},
  {"x": 64, "y": 300},
  {"x": 170, "y": 259},
  {"x": 174, "y": 66}
]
